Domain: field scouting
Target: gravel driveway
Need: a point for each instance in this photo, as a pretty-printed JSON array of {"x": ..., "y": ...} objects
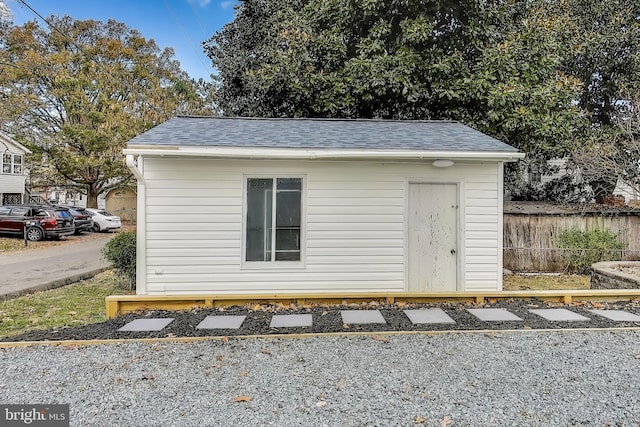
[{"x": 532, "y": 378}]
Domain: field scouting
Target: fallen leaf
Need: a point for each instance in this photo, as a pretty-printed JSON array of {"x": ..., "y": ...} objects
[
  {"x": 419, "y": 420},
  {"x": 321, "y": 404},
  {"x": 596, "y": 305},
  {"x": 446, "y": 421},
  {"x": 225, "y": 339},
  {"x": 171, "y": 335},
  {"x": 256, "y": 307},
  {"x": 265, "y": 351},
  {"x": 340, "y": 384},
  {"x": 72, "y": 313},
  {"x": 380, "y": 338},
  {"x": 577, "y": 303},
  {"x": 345, "y": 326},
  {"x": 244, "y": 373},
  {"x": 243, "y": 399},
  {"x": 148, "y": 377},
  {"x": 400, "y": 304},
  {"x": 424, "y": 395}
]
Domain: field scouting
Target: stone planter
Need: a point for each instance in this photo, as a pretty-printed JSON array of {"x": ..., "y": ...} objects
[{"x": 615, "y": 275}]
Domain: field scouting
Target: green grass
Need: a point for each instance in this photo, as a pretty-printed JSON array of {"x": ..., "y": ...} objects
[
  {"x": 78, "y": 304},
  {"x": 517, "y": 282}
]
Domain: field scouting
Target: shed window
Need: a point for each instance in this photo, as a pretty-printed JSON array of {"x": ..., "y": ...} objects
[
  {"x": 12, "y": 163},
  {"x": 273, "y": 219}
]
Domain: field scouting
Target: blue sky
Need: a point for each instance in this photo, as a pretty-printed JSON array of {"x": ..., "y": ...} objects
[{"x": 180, "y": 24}]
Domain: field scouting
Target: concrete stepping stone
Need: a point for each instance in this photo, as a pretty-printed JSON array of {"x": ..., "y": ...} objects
[
  {"x": 559, "y": 315},
  {"x": 494, "y": 315},
  {"x": 146, "y": 325},
  {"x": 221, "y": 322},
  {"x": 291, "y": 321},
  {"x": 361, "y": 317},
  {"x": 429, "y": 315},
  {"x": 617, "y": 315}
]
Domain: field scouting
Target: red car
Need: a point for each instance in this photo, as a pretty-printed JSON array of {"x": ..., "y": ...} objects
[{"x": 40, "y": 221}]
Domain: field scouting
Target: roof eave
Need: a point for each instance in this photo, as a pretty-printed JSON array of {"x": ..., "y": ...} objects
[
  {"x": 7, "y": 140},
  {"x": 269, "y": 153}
]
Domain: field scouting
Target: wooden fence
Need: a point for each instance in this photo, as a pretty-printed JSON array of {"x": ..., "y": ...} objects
[{"x": 530, "y": 237}]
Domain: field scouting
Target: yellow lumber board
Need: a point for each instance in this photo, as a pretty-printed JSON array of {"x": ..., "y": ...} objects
[{"x": 121, "y": 304}]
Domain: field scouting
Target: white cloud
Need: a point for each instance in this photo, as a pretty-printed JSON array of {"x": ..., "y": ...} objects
[
  {"x": 227, "y": 4},
  {"x": 201, "y": 3}
]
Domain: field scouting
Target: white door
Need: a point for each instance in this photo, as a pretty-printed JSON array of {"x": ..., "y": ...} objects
[{"x": 433, "y": 237}]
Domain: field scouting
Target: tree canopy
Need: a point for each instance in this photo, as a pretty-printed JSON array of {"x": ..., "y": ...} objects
[
  {"x": 533, "y": 74},
  {"x": 77, "y": 92}
]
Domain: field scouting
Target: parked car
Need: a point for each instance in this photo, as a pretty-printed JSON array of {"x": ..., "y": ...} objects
[
  {"x": 81, "y": 219},
  {"x": 40, "y": 221},
  {"x": 103, "y": 220}
]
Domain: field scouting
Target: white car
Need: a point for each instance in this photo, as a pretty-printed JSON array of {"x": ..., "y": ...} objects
[{"x": 103, "y": 220}]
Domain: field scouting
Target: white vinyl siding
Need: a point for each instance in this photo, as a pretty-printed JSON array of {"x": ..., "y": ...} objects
[
  {"x": 483, "y": 222},
  {"x": 12, "y": 183},
  {"x": 354, "y": 218}
]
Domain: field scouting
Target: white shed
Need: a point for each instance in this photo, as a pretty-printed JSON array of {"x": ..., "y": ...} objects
[
  {"x": 12, "y": 170},
  {"x": 243, "y": 205}
]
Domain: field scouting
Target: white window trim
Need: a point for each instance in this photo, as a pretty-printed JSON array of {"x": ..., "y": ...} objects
[
  {"x": 12, "y": 163},
  {"x": 279, "y": 265}
]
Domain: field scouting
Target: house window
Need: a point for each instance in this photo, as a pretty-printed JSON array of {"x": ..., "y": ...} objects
[
  {"x": 12, "y": 163},
  {"x": 273, "y": 222},
  {"x": 535, "y": 177}
]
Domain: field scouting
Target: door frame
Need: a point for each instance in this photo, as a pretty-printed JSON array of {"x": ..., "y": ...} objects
[{"x": 460, "y": 234}]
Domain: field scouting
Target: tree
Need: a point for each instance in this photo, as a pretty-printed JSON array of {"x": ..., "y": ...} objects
[
  {"x": 607, "y": 35},
  {"x": 493, "y": 65},
  {"x": 76, "y": 93},
  {"x": 615, "y": 156},
  {"x": 5, "y": 13}
]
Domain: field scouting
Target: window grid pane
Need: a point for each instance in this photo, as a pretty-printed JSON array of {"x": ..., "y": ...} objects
[
  {"x": 288, "y": 215},
  {"x": 259, "y": 219},
  {"x": 6, "y": 163},
  {"x": 17, "y": 164}
]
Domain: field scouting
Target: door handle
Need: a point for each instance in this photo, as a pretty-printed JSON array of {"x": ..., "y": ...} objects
[{"x": 453, "y": 251}]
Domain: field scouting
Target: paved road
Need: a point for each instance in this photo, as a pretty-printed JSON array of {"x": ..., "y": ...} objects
[{"x": 40, "y": 269}]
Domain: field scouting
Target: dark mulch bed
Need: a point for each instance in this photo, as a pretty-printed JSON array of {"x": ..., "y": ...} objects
[{"x": 327, "y": 319}]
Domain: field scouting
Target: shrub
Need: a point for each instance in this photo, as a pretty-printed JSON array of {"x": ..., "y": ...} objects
[
  {"x": 121, "y": 253},
  {"x": 583, "y": 248}
]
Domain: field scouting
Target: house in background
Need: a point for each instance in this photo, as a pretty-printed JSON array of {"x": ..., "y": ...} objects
[
  {"x": 241, "y": 205},
  {"x": 560, "y": 170},
  {"x": 121, "y": 202},
  {"x": 12, "y": 170}
]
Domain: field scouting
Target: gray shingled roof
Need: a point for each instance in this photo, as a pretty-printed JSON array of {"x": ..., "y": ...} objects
[{"x": 320, "y": 134}]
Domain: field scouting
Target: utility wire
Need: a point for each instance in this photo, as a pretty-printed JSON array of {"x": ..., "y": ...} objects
[
  {"x": 184, "y": 34},
  {"x": 197, "y": 15},
  {"x": 81, "y": 49}
]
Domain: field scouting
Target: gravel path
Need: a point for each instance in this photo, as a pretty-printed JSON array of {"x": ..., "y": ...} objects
[{"x": 532, "y": 378}]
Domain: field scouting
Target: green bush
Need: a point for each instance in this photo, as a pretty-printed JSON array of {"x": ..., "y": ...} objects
[
  {"x": 583, "y": 248},
  {"x": 121, "y": 253}
]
